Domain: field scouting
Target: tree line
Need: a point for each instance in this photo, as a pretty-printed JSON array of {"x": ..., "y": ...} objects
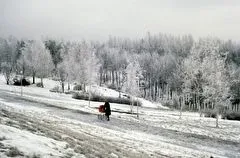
[{"x": 178, "y": 70}]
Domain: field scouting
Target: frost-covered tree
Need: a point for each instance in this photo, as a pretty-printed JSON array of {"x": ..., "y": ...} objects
[
  {"x": 193, "y": 78},
  {"x": 70, "y": 62},
  {"x": 235, "y": 88},
  {"x": 133, "y": 73},
  {"x": 62, "y": 74},
  {"x": 93, "y": 66},
  {"x": 64, "y": 68},
  {"x": 83, "y": 65},
  {"x": 29, "y": 57},
  {"x": 20, "y": 65},
  {"x": 45, "y": 64},
  {"x": 38, "y": 59},
  {"x": 55, "y": 50},
  {"x": 208, "y": 73},
  {"x": 92, "y": 70},
  {"x": 8, "y": 51}
]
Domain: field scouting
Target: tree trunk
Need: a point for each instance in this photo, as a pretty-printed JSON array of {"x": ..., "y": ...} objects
[
  {"x": 110, "y": 77},
  {"x": 89, "y": 96},
  {"x": 68, "y": 86},
  {"x": 42, "y": 82},
  {"x": 7, "y": 77},
  {"x": 180, "y": 101},
  {"x": 168, "y": 94},
  {"x": 144, "y": 94},
  {"x": 152, "y": 90},
  {"x": 137, "y": 109},
  {"x": 84, "y": 87},
  {"x": 158, "y": 89},
  {"x": 217, "y": 120},
  {"x": 149, "y": 88},
  {"x": 199, "y": 108},
  {"x": 100, "y": 82},
  {"x": 162, "y": 87},
  {"x": 155, "y": 95},
  {"x": 119, "y": 79},
  {"x": 171, "y": 94},
  {"x": 116, "y": 74},
  {"x": 131, "y": 105},
  {"x": 23, "y": 70},
  {"x": 195, "y": 102},
  {"x": 113, "y": 78},
  {"x": 34, "y": 77},
  {"x": 104, "y": 78},
  {"x": 63, "y": 87}
]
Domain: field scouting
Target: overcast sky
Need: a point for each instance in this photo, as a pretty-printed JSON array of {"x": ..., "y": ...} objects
[{"x": 97, "y": 19}]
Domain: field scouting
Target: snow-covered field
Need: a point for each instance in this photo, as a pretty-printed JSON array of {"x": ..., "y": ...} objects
[{"x": 45, "y": 124}]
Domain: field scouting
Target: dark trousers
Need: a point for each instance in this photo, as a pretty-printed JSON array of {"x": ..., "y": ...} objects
[{"x": 107, "y": 116}]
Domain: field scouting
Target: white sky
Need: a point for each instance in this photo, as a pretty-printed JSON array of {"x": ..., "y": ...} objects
[{"x": 97, "y": 19}]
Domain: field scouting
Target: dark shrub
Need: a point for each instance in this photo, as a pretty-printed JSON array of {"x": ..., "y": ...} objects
[
  {"x": 39, "y": 84},
  {"x": 168, "y": 104},
  {"x": 69, "y": 92},
  {"x": 80, "y": 95},
  {"x": 18, "y": 81},
  {"x": 36, "y": 156},
  {"x": 56, "y": 89},
  {"x": 14, "y": 152},
  {"x": 210, "y": 113},
  {"x": 3, "y": 138},
  {"x": 173, "y": 104},
  {"x": 25, "y": 82},
  {"x": 127, "y": 96},
  {"x": 112, "y": 86},
  {"x": 232, "y": 115},
  {"x": 55, "y": 78},
  {"x": 94, "y": 97},
  {"x": 77, "y": 88}
]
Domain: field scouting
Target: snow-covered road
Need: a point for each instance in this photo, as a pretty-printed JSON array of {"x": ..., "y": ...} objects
[{"x": 156, "y": 133}]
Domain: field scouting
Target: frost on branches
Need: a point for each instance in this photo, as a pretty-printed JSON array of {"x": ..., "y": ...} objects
[{"x": 206, "y": 73}]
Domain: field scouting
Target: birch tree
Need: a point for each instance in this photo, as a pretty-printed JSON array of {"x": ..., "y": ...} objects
[
  {"x": 8, "y": 49},
  {"x": 64, "y": 68},
  {"x": 29, "y": 57},
  {"x": 131, "y": 86},
  {"x": 45, "y": 64},
  {"x": 212, "y": 66},
  {"x": 83, "y": 65},
  {"x": 38, "y": 58}
]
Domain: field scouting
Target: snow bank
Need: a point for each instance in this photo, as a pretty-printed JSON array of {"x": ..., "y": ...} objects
[
  {"x": 102, "y": 91},
  {"x": 2, "y": 79},
  {"x": 30, "y": 143},
  {"x": 146, "y": 103}
]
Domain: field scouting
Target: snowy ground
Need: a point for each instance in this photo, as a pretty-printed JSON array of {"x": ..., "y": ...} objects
[{"x": 46, "y": 124}]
